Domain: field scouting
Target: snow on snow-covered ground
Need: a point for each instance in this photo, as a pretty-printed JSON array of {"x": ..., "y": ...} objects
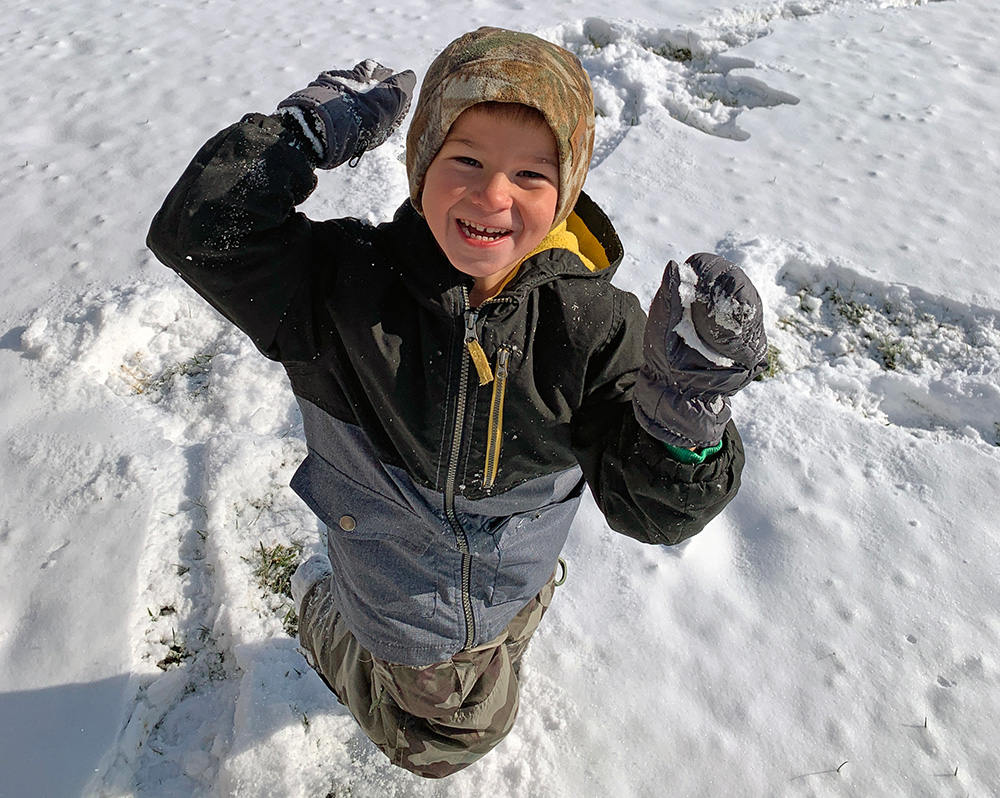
[{"x": 836, "y": 632}]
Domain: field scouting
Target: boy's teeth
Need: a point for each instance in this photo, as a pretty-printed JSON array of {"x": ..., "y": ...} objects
[{"x": 483, "y": 233}]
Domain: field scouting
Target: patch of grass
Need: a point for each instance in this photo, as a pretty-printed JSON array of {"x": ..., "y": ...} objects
[
  {"x": 853, "y": 312},
  {"x": 290, "y": 622},
  {"x": 728, "y": 100},
  {"x": 274, "y": 566},
  {"x": 177, "y": 652},
  {"x": 340, "y": 791},
  {"x": 773, "y": 368},
  {"x": 891, "y": 350},
  {"x": 195, "y": 369},
  {"x": 261, "y": 504},
  {"x": 682, "y": 55},
  {"x": 794, "y": 324}
]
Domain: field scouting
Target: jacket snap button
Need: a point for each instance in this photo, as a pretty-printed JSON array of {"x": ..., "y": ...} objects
[{"x": 347, "y": 523}]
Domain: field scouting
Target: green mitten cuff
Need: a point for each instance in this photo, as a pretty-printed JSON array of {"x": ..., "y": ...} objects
[{"x": 682, "y": 455}]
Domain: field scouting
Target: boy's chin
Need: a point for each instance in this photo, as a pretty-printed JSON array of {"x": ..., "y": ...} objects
[
  {"x": 483, "y": 273},
  {"x": 483, "y": 269}
]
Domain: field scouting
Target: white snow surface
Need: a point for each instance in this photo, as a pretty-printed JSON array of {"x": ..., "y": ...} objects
[
  {"x": 358, "y": 86},
  {"x": 835, "y": 632},
  {"x": 687, "y": 291}
]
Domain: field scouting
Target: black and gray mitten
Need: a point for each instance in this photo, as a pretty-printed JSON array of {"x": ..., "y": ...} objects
[
  {"x": 704, "y": 342},
  {"x": 344, "y": 113}
]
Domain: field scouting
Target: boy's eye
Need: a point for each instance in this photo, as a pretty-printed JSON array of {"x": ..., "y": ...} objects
[
  {"x": 467, "y": 161},
  {"x": 535, "y": 177}
]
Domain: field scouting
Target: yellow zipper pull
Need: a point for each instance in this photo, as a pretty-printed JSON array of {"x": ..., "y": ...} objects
[
  {"x": 495, "y": 432},
  {"x": 479, "y": 359}
]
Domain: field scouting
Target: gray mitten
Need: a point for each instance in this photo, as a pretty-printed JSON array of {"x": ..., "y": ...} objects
[
  {"x": 344, "y": 113},
  {"x": 704, "y": 342}
]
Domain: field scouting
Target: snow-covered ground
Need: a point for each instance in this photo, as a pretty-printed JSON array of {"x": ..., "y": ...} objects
[{"x": 836, "y": 632}]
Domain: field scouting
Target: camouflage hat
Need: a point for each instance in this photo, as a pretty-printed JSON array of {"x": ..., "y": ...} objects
[{"x": 497, "y": 65}]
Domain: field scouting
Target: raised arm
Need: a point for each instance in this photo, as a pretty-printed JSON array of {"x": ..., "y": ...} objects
[
  {"x": 662, "y": 465},
  {"x": 229, "y": 226}
]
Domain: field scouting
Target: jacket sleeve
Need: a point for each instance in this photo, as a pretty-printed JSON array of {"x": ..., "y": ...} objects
[
  {"x": 643, "y": 492},
  {"x": 229, "y": 229}
]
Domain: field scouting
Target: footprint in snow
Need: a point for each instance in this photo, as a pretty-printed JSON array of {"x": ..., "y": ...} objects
[{"x": 634, "y": 69}]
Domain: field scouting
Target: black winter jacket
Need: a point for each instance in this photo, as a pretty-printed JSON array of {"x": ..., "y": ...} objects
[{"x": 374, "y": 329}]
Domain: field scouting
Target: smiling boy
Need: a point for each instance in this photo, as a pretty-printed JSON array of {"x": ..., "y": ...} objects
[
  {"x": 490, "y": 194},
  {"x": 464, "y": 372}
]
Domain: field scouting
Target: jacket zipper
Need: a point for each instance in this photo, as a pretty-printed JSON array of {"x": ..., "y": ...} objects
[
  {"x": 495, "y": 434},
  {"x": 470, "y": 315}
]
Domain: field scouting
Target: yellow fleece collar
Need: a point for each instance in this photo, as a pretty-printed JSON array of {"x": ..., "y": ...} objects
[{"x": 574, "y": 236}]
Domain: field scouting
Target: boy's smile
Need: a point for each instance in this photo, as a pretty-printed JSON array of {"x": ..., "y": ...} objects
[{"x": 490, "y": 193}]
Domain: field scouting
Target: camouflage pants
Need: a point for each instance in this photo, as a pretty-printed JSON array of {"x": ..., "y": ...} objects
[{"x": 432, "y": 721}]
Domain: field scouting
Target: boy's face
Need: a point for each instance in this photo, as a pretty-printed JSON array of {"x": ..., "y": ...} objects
[{"x": 490, "y": 194}]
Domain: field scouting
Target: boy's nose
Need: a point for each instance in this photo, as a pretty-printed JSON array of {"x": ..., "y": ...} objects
[{"x": 495, "y": 192}]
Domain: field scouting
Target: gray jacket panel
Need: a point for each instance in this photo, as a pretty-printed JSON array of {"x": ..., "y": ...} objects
[{"x": 397, "y": 564}]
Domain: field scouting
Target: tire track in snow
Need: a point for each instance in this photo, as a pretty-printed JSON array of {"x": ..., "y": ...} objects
[
  {"x": 634, "y": 69},
  {"x": 202, "y": 623},
  {"x": 125, "y": 346}
]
